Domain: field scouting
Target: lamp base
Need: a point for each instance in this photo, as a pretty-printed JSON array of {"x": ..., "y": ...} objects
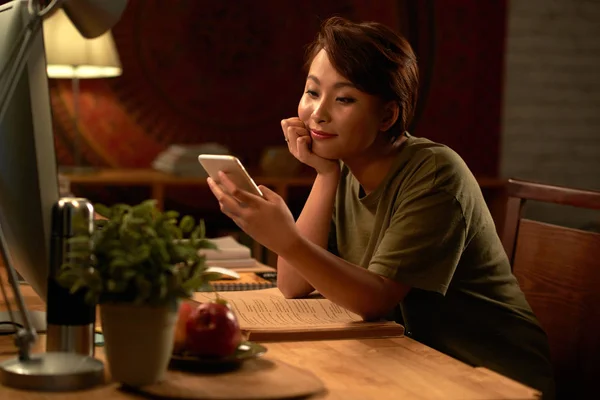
[{"x": 52, "y": 372}]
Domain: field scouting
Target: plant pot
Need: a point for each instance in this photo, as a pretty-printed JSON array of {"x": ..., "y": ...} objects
[{"x": 138, "y": 341}]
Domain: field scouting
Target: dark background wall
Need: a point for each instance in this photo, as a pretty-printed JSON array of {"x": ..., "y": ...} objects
[
  {"x": 204, "y": 71},
  {"x": 197, "y": 71},
  {"x": 551, "y": 118}
]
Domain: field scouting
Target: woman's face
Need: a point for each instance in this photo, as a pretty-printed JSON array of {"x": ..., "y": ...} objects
[{"x": 343, "y": 121}]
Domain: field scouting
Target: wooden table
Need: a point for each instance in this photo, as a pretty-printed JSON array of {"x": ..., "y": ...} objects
[{"x": 398, "y": 368}]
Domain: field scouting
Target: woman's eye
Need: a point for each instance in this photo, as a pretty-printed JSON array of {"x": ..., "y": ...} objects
[
  {"x": 312, "y": 93},
  {"x": 346, "y": 100}
]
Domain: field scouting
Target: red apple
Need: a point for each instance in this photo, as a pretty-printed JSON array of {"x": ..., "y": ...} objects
[
  {"x": 185, "y": 309},
  {"x": 212, "y": 330}
]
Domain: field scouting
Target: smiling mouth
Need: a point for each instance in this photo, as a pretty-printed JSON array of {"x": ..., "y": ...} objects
[{"x": 321, "y": 135}]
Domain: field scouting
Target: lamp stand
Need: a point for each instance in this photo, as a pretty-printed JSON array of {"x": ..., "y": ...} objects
[{"x": 77, "y": 168}]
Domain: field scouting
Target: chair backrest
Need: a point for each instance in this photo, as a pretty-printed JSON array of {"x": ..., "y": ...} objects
[{"x": 558, "y": 269}]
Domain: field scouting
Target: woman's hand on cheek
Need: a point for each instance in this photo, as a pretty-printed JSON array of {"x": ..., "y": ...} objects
[
  {"x": 266, "y": 219},
  {"x": 299, "y": 143}
]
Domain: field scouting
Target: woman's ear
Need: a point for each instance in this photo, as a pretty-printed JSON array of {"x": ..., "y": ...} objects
[{"x": 391, "y": 112}]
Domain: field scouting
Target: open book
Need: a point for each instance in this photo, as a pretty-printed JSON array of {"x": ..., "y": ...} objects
[{"x": 266, "y": 316}]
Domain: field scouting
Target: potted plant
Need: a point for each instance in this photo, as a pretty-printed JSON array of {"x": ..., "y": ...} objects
[{"x": 137, "y": 265}]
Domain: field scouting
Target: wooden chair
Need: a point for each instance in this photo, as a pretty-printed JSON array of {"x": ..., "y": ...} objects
[{"x": 558, "y": 269}]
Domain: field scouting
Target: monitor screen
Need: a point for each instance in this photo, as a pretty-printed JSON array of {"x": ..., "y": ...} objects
[{"x": 28, "y": 173}]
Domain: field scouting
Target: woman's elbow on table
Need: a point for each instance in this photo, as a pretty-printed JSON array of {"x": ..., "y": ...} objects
[
  {"x": 389, "y": 295},
  {"x": 290, "y": 293}
]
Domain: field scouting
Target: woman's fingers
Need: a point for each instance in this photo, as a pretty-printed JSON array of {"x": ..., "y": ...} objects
[
  {"x": 303, "y": 149},
  {"x": 292, "y": 129},
  {"x": 227, "y": 184},
  {"x": 285, "y": 123},
  {"x": 229, "y": 206},
  {"x": 293, "y": 133},
  {"x": 244, "y": 197}
]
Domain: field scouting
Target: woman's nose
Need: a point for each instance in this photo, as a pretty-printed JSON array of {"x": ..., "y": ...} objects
[{"x": 321, "y": 113}]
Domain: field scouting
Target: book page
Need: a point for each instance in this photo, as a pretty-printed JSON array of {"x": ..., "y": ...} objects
[{"x": 268, "y": 309}]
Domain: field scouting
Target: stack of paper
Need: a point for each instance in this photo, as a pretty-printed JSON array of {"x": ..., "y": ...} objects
[{"x": 229, "y": 254}]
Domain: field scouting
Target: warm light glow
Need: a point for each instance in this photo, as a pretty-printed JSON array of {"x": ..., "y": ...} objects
[
  {"x": 82, "y": 71},
  {"x": 70, "y": 55}
]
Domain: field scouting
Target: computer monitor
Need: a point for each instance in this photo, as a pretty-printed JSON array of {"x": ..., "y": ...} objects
[{"x": 28, "y": 172}]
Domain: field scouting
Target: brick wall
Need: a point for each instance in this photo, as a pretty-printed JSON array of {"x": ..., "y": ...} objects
[{"x": 551, "y": 116}]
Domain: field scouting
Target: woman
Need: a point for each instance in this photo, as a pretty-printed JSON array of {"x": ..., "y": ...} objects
[{"x": 395, "y": 225}]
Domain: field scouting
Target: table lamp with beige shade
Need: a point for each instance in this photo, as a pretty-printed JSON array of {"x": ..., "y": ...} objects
[{"x": 72, "y": 56}]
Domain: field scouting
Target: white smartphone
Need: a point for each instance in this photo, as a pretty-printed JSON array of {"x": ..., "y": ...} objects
[{"x": 213, "y": 163}]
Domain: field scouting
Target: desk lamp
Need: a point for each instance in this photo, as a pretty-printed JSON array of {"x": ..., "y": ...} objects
[
  {"x": 21, "y": 51},
  {"x": 72, "y": 56}
]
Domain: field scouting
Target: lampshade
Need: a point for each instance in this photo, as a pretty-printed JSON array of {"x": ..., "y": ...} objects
[
  {"x": 94, "y": 17},
  {"x": 70, "y": 55}
]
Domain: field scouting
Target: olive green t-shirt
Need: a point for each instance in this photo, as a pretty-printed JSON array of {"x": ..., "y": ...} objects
[{"x": 427, "y": 226}]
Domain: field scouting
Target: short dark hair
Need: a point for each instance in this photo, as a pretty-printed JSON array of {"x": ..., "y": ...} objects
[{"x": 376, "y": 59}]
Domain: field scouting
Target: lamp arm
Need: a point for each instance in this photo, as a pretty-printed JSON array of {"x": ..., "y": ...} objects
[
  {"x": 34, "y": 8},
  {"x": 26, "y": 336},
  {"x": 14, "y": 66},
  {"x": 18, "y": 55}
]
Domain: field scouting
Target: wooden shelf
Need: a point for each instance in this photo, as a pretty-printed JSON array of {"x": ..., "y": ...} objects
[
  {"x": 158, "y": 181},
  {"x": 493, "y": 189}
]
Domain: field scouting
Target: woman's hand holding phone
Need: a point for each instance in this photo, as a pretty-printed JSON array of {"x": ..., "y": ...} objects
[
  {"x": 299, "y": 143},
  {"x": 266, "y": 219}
]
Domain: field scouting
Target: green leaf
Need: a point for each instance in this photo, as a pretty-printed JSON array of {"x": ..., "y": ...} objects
[
  {"x": 171, "y": 215},
  {"x": 144, "y": 209},
  {"x": 149, "y": 231},
  {"x": 136, "y": 221},
  {"x": 161, "y": 248},
  {"x": 140, "y": 254},
  {"x": 78, "y": 284},
  {"x": 186, "y": 224},
  {"x": 103, "y": 210},
  {"x": 205, "y": 287},
  {"x": 206, "y": 244},
  {"x": 202, "y": 229}
]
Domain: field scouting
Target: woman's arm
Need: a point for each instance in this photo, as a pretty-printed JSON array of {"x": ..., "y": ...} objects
[
  {"x": 357, "y": 289},
  {"x": 314, "y": 225}
]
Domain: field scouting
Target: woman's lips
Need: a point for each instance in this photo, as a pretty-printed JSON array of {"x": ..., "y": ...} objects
[{"x": 321, "y": 135}]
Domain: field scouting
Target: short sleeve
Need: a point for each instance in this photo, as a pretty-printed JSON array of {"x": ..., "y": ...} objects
[{"x": 423, "y": 243}]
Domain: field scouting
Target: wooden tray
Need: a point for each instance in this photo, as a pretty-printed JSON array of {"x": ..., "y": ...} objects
[{"x": 261, "y": 378}]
